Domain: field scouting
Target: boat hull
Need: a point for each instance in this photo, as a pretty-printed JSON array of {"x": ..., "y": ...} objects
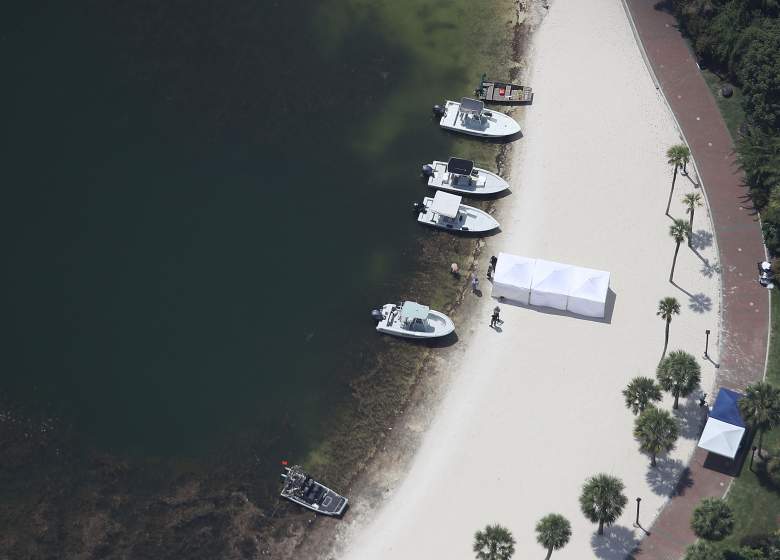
[
  {"x": 496, "y": 92},
  {"x": 484, "y": 184},
  {"x": 491, "y": 124},
  {"x": 311, "y": 494},
  {"x": 440, "y": 324},
  {"x": 468, "y": 220}
]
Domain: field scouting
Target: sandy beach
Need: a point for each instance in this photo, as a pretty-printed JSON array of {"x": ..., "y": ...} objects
[{"x": 535, "y": 407}]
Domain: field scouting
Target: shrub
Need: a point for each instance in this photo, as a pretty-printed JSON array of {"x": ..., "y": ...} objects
[
  {"x": 703, "y": 550},
  {"x": 712, "y": 519}
]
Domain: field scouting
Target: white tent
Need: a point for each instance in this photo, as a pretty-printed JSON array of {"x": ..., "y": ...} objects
[
  {"x": 551, "y": 284},
  {"x": 721, "y": 438},
  {"x": 512, "y": 277},
  {"x": 588, "y": 292}
]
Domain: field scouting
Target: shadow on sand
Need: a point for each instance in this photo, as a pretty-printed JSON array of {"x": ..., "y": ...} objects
[
  {"x": 691, "y": 417},
  {"x": 616, "y": 543},
  {"x": 670, "y": 477}
]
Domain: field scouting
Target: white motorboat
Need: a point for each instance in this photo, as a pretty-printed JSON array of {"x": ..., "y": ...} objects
[
  {"x": 445, "y": 211},
  {"x": 469, "y": 116},
  {"x": 412, "y": 320},
  {"x": 460, "y": 176}
]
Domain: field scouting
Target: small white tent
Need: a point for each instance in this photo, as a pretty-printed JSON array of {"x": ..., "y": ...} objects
[
  {"x": 512, "y": 277},
  {"x": 588, "y": 293},
  {"x": 721, "y": 437},
  {"x": 551, "y": 283}
]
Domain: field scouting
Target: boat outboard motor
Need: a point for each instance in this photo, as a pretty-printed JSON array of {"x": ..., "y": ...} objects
[
  {"x": 427, "y": 170},
  {"x": 376, "y": 315},
  {"x": 438, "y": 111}
]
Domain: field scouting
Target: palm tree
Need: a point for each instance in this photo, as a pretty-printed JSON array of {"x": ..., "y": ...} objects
[
  {"x": 494, "y": 542},
  {"x": 656, "y": 431},
  {"x": 691, "y": 202},
  {"x": 679, "y": 230},
  {"x": 602, "y": 500},
  {"x": 641, "y": 392},
  {"x": 679, "y": 373},
  {"x": 667, "y": 307},
  {"x": 553, "y": 532},
  {"x": 712, "y": 519},
  {"x": 760, "y": 408},
  {"x": 678, "y": 156}
]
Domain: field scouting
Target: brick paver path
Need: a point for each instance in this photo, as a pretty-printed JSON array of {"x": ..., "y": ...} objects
[{"x": 744, "y": 303}]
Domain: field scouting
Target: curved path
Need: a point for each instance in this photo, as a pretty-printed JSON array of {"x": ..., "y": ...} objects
[{"x": 745, "y": 304}]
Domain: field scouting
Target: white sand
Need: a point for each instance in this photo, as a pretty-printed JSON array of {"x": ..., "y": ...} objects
[{"x": 536, "y": 408}]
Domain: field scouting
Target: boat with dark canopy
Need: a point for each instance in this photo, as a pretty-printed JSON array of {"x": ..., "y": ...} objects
[
  {"x": 302, "y": 489},
  {"x": 461, "y": 176}
]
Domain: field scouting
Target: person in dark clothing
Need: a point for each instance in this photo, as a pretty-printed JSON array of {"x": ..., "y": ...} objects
[
  {"x": 494, "y": 320},
  {"x": 493, "y": 262}
]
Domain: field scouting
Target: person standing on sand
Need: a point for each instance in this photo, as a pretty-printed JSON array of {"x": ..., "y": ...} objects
[{"x": 495, "y": 318}]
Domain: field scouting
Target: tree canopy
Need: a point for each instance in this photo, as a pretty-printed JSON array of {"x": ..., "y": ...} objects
[
  {"x": 740, "y": 40},
  {"x": 494, "y": 542},
  {"x": 712, "y": 519},
  {"x": 679, "y": 373},
  {"x": 602, "y": 500}
]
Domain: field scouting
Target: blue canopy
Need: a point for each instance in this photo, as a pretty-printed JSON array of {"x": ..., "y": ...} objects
[{"x": 726, "y": 409}]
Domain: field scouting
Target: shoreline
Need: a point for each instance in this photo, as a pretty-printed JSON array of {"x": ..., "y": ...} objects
[
  {"x": 386, "y": 469},
  {"x": 463, "y": 400}
]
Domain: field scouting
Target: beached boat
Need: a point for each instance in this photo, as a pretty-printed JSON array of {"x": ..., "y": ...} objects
[
  {"x": 469, "y": 116},
  {"x": 302, "y": 489},
  {"x": 412, "y": 320},
  {"x": 460, "y": 175},
  {"x": 445, "y": 211},
  {"x": 502, "y": 92}
]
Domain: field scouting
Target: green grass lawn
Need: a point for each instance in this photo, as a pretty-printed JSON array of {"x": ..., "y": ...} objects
[
  {"x": 730, "y": 108},
  {"x": 756, "y": 505}
]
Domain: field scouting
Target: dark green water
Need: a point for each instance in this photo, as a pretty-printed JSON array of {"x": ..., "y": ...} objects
[{"x": 203, "y": 201}]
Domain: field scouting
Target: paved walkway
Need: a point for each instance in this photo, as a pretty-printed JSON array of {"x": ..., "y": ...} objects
[{"x": 745, "y": 304}]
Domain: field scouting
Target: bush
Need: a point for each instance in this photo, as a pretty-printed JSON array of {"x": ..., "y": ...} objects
[
  {"x": 712, "y": 519},
  {"x": 772, "y": 470},
  {"x": 703, "y": 550}
]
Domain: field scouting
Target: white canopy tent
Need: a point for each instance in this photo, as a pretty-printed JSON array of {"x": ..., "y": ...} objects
[
  {"x": 446, "y": 204},
  {"x": 588, "y": 292},
  {"x": 512, "y": 277},
  {"x": 551, "y": 283},
  {"x": 721, "y": 437}
]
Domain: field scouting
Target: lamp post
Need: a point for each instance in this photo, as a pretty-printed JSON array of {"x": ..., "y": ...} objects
[
  {"x": 636, "y": 523},
  {"x": 707, "y": 344},
  {"x": 752, "y": 456}
]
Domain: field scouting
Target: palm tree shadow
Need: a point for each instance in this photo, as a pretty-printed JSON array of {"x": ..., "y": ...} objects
[
  {"x": 701, "y": 239},
  {"x": 688, "y": 176},
  {"x": 709, "y": 269},
  {"x": 700, "y": 303},
  {"x": 683, "y": 290},
  {"x": 670, "y": 477},
  {"x": 616, "y": 543},
  {"x": 691, "y": 417}
]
